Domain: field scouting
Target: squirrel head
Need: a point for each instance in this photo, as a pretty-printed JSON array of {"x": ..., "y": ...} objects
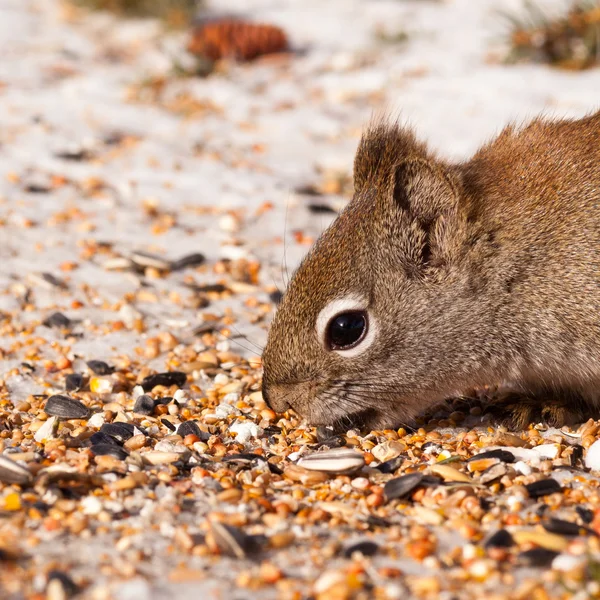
[{"x": 372, "y": 329}]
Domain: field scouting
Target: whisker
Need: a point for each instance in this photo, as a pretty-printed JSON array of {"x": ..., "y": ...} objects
[
  {"x": 284, "y": 267},
  {"x": 245, "y": 337}
]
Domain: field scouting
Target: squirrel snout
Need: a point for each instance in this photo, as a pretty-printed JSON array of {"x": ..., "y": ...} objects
[{"x": 275, "y": 399}]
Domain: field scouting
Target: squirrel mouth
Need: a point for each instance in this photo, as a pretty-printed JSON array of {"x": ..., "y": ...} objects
[{"x": 362, "y": 419}]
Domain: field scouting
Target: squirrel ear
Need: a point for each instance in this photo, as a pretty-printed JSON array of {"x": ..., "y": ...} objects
[{"x": 428, "y": 200}]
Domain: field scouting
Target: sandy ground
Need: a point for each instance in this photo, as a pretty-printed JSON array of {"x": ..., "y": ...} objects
[{"x": 245, "y": 136}]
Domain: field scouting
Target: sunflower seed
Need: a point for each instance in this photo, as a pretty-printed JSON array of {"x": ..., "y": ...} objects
[
  {"x": 494, "y": 472},
  {"x": 585, "y": 514},
  {"x": 500, "y": 539},
  {"x": 167, "y": 379},
  {"x": 576, "y": 454},
  {"x": 74, "y": 382},
  {"x": 537, "y": 557},
  {"x": 337, "y": 460},
  {"x": 232, "y": 541},
  {"x": 402, "y": 486},
  {"x": 99, "y": 367},
  {"x": 390, "y": 466},
  {"x": 102, "y": 438},
  {"x": 120, "y": 431},
  {"x": 66, "y": 408},
  {"x": 168, "y": 424},
  {"x": 66, "y": 586},
  {"x": 566, "y": 528},
  {"x": 543, "y": 487},
  {"x": 364, "y": 547},
  {"x": 190, "y": 260},
  {"x": 503, "y": 455},
  {"x": 110, "y": 450},
  {"x": 144, "y": 405},
  {"x": 145, "y": 259},
  {"x": 13, "y": 472},
  {"x": 58, "y": 320},
  {"x": 47, "y": 281},
  {"x": 191, "y": 428}
]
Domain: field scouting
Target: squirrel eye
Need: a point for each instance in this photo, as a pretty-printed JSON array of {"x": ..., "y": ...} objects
[{"x": 346, "y": 330}]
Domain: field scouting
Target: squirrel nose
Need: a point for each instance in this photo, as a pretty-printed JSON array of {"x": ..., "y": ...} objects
[{"x": 278, "y": 404}]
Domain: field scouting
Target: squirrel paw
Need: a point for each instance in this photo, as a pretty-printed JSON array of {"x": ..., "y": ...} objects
[{"x": 553, "y": 409}]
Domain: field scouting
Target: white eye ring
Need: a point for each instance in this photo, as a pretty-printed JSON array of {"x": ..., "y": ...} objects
[{"x": 341, "y": 305}]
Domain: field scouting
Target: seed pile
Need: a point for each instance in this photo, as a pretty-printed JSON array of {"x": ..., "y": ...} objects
[{"x": 116, "y": 449}]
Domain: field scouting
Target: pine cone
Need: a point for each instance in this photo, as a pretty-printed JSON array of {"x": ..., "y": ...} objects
[{"x": 236, "y": 39}]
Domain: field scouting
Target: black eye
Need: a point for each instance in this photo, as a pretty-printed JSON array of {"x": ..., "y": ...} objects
[{"x": 346, "y": 330}]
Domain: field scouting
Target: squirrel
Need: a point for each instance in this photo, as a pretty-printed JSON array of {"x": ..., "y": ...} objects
[{"x": 437, "y": 278}]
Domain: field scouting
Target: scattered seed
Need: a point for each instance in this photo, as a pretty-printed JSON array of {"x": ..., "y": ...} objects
[
  {"x": 13, "y": 472},
  {"x": 118, "y": 264},
  {"x": 74, "y": 382},
  {"x": 304, "y": 476},
  {"x": 337, "y": 460},
  {"x": 402, "y": 486},
  {"x": 390, "y": 466},
  {"x": 191, "y": 428},
  {"x": 585, "y": 514},
  {"x": 576, "y": 454},
  {"x": 68, "y": 587},
  {"x": 232, "y": 541},
  {"x": 450, "y": 473},
  {"x": 144, "y": 405},
  {"x": 500, "y": 539},
  {"x": 48, "y": 281},
  {"x": 502, "y": 455},
  {"x": 102, "y": 438},
  {"x": 99, "y": 385},
  {"x": 119, "y": 431},
  {"x": 190, "y": 260},
  {"x": 99, "y": 367},
  {"x": 57, "y": 320},
  {"x": 159, "y": 457},
  {"x": 544, "y": 539},
  {"x": 145, "y": 259},
  {"x": 493, "y": 473},
  {"x": 364, "y": 547},
  {"x": 543, "y": 487},
  {"x": 167, "y": 379},
  {"x": 46, "y": 431},
  {"x": 66, "y": 408},
  {"x": 537, "y": 557},
  {"x": 566, "y": 528},
  {"x": 109, "y": 450}
]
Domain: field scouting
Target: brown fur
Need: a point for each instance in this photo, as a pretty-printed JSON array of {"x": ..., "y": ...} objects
[{"x": 476, "y": 273}]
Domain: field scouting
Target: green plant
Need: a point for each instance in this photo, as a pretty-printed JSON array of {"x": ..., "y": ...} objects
[
  {"x": 177, "y": 13},
  {"x": 568, "y": 41}
]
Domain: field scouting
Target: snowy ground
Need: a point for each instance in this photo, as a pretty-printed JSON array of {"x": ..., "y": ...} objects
[{"x": 245, "y": 136}]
